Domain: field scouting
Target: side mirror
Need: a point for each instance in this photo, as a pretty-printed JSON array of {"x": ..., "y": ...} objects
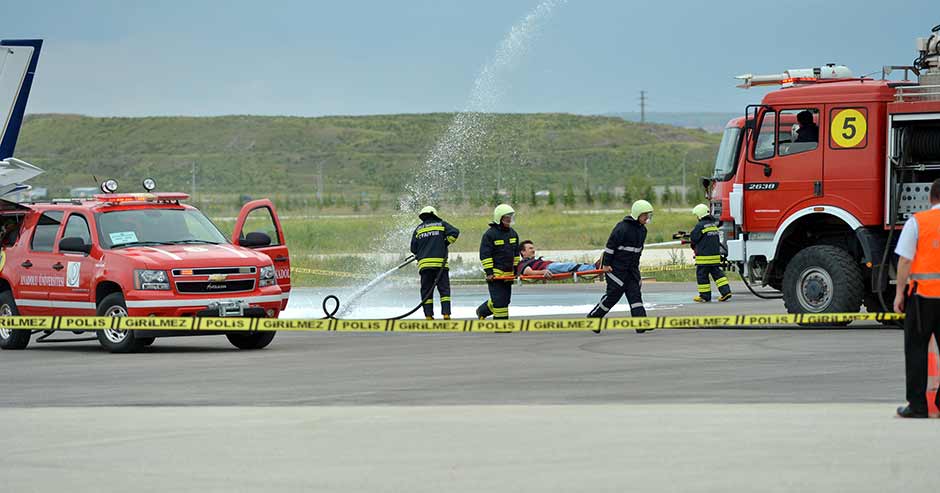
[
  {"x": 75, "y": 245},
  {"x": 255, "y": 239}
]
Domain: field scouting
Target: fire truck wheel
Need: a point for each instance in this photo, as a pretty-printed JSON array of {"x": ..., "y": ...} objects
[
  {"x": 11, "y": 338},
  {"x": 114, "y": 340},
  {"x": 823, "y": 279},
  {"x": 258, "y": 340}
]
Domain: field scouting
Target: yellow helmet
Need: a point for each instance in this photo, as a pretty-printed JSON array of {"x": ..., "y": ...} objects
[
  {"x": 640, "y": 207},
  {"x": 700, "y": 211},
  {"x": 428, "y": 210},
  {"x": 500, "y": 211}
]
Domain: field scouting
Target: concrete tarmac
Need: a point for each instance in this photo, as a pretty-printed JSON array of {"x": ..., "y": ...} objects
[
  {"x": 682, "y": 410},
  {"x": 612, "y": 448}
]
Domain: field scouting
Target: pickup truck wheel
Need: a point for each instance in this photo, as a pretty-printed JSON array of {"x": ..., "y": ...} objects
[
  {"x": 11, "y": 338},
  {"x": 823, "y": 279},
  {"x": 258, "y": 340},
  {"x": 115, "y": 340}
]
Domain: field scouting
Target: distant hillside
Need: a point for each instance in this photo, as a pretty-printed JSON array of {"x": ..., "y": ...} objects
[
  {"x": 364, "y": 153},
  {"x": 710, "y": 122}
]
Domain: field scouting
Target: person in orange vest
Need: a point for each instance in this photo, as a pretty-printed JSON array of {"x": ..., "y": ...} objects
[{"x": 918, "y": 297}]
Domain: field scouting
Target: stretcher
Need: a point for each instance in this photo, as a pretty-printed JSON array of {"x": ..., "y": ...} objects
[{"x": 575, "y": 276}]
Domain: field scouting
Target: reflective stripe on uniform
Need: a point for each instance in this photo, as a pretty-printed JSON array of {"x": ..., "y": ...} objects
[
  {"x": 608, "y": 251},
  {"x": 513, "y": 240},
  {"x": 487, "y": 263},
  {"x": 630, "y": 249},
  {"x": 721, "y": 281},
  {"x": 636, "y": 305},
  {"x": 704, "y": 288},
  {"x": 710, "y": 229},
  {"x": 924, "y": 276},
  {"x": 499, "y": 242},
  {"x": 445, "y": 299},
  {"x": 430, "y": 263},
  {"x": 451, "y": 239},
  {"x": 707, "y": 259},
  {"x": 429, "y": 229},
  {"x": 615, "y": 279}
]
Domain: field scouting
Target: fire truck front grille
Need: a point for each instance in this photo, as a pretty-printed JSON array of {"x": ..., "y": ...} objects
[{"x": 227, "y": 286}]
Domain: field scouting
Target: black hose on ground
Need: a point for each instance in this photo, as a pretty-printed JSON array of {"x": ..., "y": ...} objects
[
  {"x": 755, "y": 293},
  {"x": 331, "y": 314}
]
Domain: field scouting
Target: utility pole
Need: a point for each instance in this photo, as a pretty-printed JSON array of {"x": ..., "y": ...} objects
[
  {"x": 642, "y": 106},
  {"x": 194, "y": 181},
  {"x": 320, "y": 181},
  {"x": 584, "y": 164}
]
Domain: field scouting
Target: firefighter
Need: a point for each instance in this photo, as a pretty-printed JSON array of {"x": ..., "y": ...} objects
[
  {"x": 429, "y": 244},
  {"x": 621, "y": 262},
  {"x": 499, "y": 254},
  {"x": 707, "y": 246},
  {"x": 918, "y": 297}
]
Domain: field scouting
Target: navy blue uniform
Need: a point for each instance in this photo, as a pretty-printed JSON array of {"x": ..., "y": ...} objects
[
  {"x": 499, "y": 254},
  {"x": 706, "y": 243},
  {"x": 429, "y": 243},
  {"x": 622, "y": 254}
]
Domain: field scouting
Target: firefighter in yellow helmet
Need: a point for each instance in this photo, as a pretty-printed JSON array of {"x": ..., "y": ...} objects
[
  {"x": 499, "y": 254},
  {"x": 621, "y": 262},
  {"x": 706, "y": 243},
  {"x": 429, "y": 243}
]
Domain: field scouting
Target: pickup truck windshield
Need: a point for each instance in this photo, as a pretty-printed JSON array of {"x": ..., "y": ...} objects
[{"x": 118, "y": 229}]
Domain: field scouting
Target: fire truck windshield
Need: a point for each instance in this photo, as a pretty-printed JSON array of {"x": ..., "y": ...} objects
[
  {"x": 727, "y": 154},
  {"x": 150, "y": 226}
]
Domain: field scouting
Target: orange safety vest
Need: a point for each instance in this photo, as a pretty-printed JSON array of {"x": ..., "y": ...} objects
[{"x": 925, "y": 269}]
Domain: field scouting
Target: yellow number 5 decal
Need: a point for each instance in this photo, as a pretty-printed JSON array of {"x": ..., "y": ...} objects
[{"x": 848, "y": 128}]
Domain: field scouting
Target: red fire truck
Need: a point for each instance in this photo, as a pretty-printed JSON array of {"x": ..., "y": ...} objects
[
  {"x": 139, "y": 254},
  {"x": 812, "y": 184}
]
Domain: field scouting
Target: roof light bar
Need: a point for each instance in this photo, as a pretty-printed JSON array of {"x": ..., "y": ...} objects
[
  {"x": 796, "y": 76},
  {"x": 120, "y": 198}
]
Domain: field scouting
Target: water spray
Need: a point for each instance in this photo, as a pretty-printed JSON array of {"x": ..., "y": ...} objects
[{"x": 464, "y": 136}]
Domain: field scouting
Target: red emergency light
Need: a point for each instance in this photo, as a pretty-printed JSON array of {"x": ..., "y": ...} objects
[{"x": 121, "y": 198}]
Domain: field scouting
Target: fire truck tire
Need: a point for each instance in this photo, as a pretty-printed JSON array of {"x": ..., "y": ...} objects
[
  {"x": 117, "y": 341},
  {"x": 823, "y": 279},
  {"x": 258, "y": 340},
  {"x": 11, "y": 338}
]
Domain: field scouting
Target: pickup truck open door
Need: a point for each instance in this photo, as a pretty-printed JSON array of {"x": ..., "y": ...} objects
[{"x": 259, "y": 228}]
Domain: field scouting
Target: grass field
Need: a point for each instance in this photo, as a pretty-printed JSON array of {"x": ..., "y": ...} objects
[
  {"x": 332, "y": 243},
  {"x": 549, "y": 229}
]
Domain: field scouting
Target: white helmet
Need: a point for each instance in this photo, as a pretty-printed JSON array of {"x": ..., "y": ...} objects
[
  {"x": 639, "y": 208},
  {"x": 428, "y": 210},
  {"x": 700, "y": 211}
]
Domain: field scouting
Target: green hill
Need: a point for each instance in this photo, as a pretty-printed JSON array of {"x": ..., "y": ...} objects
[{"x": 260, "y": 154}]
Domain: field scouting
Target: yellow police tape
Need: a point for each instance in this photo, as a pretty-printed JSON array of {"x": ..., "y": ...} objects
[
  {"x": 427, "y": 326},
  {"x": 353, "y": 275}
]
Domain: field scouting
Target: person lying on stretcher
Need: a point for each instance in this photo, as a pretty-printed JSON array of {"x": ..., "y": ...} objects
[{"x": 532, "y": 266}]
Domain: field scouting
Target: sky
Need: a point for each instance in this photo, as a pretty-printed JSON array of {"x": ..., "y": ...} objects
[{"x": 353, "y": 57}]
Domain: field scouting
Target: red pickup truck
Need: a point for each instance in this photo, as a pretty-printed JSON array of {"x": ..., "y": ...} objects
[{"x": 139, "y": 254}]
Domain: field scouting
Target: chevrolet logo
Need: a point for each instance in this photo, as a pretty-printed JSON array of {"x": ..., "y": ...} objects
[{"x": 217, "y": 277}]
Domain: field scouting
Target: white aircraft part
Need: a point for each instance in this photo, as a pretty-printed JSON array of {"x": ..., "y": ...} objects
[
  {"x": 13, "y": 172},
  {"x": 14, "y": 61}
]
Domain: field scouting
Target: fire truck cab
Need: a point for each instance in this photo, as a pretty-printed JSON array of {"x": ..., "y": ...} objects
[
  {"x": 139, "y": 254},
  {"x": 812, "y": 184}
]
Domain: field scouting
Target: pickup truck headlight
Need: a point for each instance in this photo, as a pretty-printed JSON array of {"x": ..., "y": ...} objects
[
  {"x": 151, "y": 280},
  {"x": 267, "y": 276}
]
